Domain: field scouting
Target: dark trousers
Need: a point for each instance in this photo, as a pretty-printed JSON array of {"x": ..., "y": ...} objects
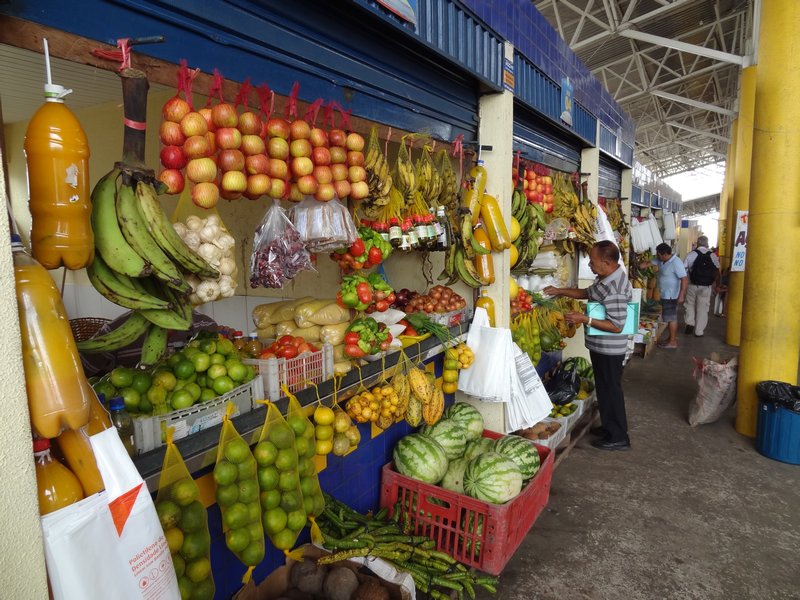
[{"x": 610, "y": 399}]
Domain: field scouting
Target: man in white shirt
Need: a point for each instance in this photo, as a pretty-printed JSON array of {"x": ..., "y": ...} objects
[{"x": 703, "y": 268}]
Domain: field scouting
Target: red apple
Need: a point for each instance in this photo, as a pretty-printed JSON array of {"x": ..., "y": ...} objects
[
  {"x": 257, "y": 186},
  {"x": 252, "y": 144},
  {"x": 171, "y": 133},
  {"x": 173, "y": 179},
  {"x": 342, "y": 188},
  {"x": 278, "y": 148},
  {"x": 318, "y": 138},
  {"x": 295, "y": 195},
  {"x": 539, "y": 188},
  {"x": 359, "y": 190},
  {"x": 201, "y": 170},
  {"x": 278, "y": 169},
  {"x": 212, "y": 142},
  {"x": 249, "y": 123},
  {"x": 232, "y": 195},
  {"x": 193, "y": 124},
  {"x": 548, "y": 189},
  {"x": 302, "y": 166},
  {"x": 228, "y": 137},
  {"x": 299, "y": 130},
  {"x": 356, "y": 174},
  {"x": 173, "y": 157},
  {"x": 205, "y": 195},
  {"x": 337, "y": 137},
  {"x": 230, "y": 159},
  {"x": 308, "y": 184},
  {"x": 175, "y": 109},
  {"x": 196, "y": 147},
  {"x": 355, "y": 158},
  {"x": 257, "y": 164},
  {"x": 323, "y": 174},
  {"x": 277, "y": 127},
  {"x": 224, "y": 115},
  {"x": 325, "y": 193},
  {"x": 524, "y": 184},
  {"x": 300, "y": 148},
  {"x": 339, "y": 172},
  {"x": 206, "y": 112},
  {"x": 234, "y": 181},
  {"x": 277, "y": 188},
  {"x": 321, "y": 156},
  {"x": 354, "y": 142},
  {"x": 338, "y": 155}
]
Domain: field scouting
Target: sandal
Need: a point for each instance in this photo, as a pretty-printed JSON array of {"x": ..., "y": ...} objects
[{"x": 667, "y": 346}]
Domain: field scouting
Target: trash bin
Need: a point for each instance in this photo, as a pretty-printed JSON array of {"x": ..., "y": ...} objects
[{"x": 778, "y": 429}]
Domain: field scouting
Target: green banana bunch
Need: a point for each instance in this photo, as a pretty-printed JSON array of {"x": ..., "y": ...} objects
[
  {"x": 154, "y": 347},
  {"x": 119, "y": 288},
  {"x": 128, "y": 332}
]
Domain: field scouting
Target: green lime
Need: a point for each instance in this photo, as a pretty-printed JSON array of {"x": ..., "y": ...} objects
[
  {"x": 225, "y": 473},
  {"x": 196, "y": 544},
  {"x": 121, "y": 377},
  {"x": 268, "y": 478},
  {"x": 207, "y": 394},
  {"x": 168, "y": 514},
  {"x": 265, "y": 453},
  {"x": 217, "y": 359},
  {"x": 199, "y": 569},
  {"x": 274, "y": 521},
  {"x": 237, "y": 451},
  {"x": 156, "y": 395},
  {"x": 179, "y": 564},
  {"x": 223, "y": 385},
  {"x": 181, "y": 399},
  {"x": 186, "y": 588},
  {"x": 247, "y": 469},
  {"x": 251, "y": 372},
  {"x": 269, "y": 499},
  {"x": 284, "y": 540},
  {"x": 288, "y": 481},
  {"x": 166, "y": 380},
  {"x": 256, "y": 529},
  {"x": 185, "y": 491},
  {"x": 291, "y": 501},
  {"x": 281, "y": 435},
  {"x": 298, "y": 424},
  {"x": 238, "y": 372},
  {"x": 193, "y": 517},
  {"x": 301, "y": 445},
  {"x": 254, "y": 512},
  {"x": 308, "y": 485},
  {"x": 215, "y": 371},
  {"x": 204, "y": 590},
  {"x": 235, "y": 516},
  {"x": 145, "y": 408},
  {"x": 319, "y": 505},
  {"x": 308, "y": 504},
  {"x": 131, "y": 398},
  {"x": 201, "y": 362},
  {"x": 184, "y": 369},
  {"x": 194, "y": 390},
  {"x": 208, "y": 346},
  {"x": 142, "y": 381},
  {"x": 286, "y": 460},
  {"x": 296, "y": 520},
  {"x": 225, "y": 347},
  {"x": 106, "y": 389},
  {"x": 227, "y": 494},
  {"x": 174, "y": 359},
  {"x": 201, "y": 380},
  {"x": 237, "y": 539},
  {"x": 174, "y": 537},
  {"x": 248, "y": 490},
  {"x": 253, "y": 554}
]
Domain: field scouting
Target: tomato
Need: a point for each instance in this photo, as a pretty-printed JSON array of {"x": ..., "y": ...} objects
[
  {"x": 304, "y": 347},
  {"x": 298, "y": 340},
  {"x": 375, "y": 255},
  {"x": 410, "y": 331},
  {"x": 385, "y": 344},
  {"x": 351, "y": 337},
  {"x": 285, "y": 339},
  {"x": 357, "y": 249},
  {"x": 391, "y": 298},
  {"x": 365, "y": 296},
  {"x": 287, "y": 351},
  {"x": 381, "y": 305},
  {"x": 267, "y": 354},
  {"x": 353, "y": 351}
]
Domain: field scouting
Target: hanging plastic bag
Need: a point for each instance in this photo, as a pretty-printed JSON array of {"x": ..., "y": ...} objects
[
  {"x": 324, "y": 226},
  {"x": 111, "y": 540},
  {"x": 565, "y": 384},
  {"x": 237, "y": 496},
  {"x": 278, "y": 251},
  {"x": 283, "y": 512},
  {"x": 185, "y": 523},
  {"x": 493, "y": 354}
]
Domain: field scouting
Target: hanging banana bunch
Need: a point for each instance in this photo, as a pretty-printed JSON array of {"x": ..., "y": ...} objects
[
  {"x": 378, "y": 178},
  {"x": 404, "y": 177}
]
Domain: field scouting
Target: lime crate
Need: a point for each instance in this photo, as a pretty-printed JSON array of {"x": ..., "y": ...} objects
[
  {"x": 295, "y": 373},
  {"x": 149, "y": 433},
  {"x": 477, "y": 533}
]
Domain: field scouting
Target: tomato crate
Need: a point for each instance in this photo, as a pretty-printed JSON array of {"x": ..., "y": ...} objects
[
  {"x": 150, "y": 432},
  {"x": 452, "y": 318},
  {"x": 314, "y": 367},
  {"x": 476, "y": 533}
]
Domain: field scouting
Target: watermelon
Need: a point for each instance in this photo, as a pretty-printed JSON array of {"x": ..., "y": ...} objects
[
  {"x": 478, "y": 447},
  {"x": 521, "y": 451},
  {"x": 421, "y": 457},
  {"x": 493, "y": 478},
  {"x": 468, "y": 416},
  {"x": 451, "y": 436},
  {"x": 453, "y": 479}
]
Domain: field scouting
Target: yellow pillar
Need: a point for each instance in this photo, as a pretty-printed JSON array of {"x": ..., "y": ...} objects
[
  {"x": 726, "y": 200},
  {"x": 741, "y": 196},
  {"x": 770, "y": 346}
]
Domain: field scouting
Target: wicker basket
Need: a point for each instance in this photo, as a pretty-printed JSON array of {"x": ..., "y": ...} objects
[{"x": 85, "y": 327}]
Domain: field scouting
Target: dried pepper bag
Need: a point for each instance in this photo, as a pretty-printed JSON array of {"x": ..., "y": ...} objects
[
  {"x": 237, "y": 496},
  {"x": 185, "y": 523},
  {"x": 283, "y": 512}
]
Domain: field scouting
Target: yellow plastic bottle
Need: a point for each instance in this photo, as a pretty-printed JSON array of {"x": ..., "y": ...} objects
[
  {"x": 487, "y": 304},
  {"x": 57, "y": 153},
  {"x": 58, "y": 486},
  {"x": 59, "y": 395},
  {"x": 77, "y": 449},
  {"x": 472, "y": 196}
]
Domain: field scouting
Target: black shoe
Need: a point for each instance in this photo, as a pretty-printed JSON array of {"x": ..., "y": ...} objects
[
  {"x": 689, "y": 329},
  {"x": 598, "y": 432},
  {"x": 601, "y": 444},
  {"x": 700, "y": 335}
]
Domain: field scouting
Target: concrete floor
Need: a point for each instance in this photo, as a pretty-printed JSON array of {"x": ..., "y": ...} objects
[{"x": 690, "y": 513}]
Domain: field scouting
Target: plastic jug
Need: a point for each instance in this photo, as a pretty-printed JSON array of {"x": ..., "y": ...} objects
[
  {"x": 58, "y": 392},
  {"x": 57, "y": 153},
  {"x": 58, "y": 487}
]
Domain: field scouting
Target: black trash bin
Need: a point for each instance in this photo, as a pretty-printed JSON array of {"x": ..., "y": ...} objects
[{"x": 778, "y": 430}]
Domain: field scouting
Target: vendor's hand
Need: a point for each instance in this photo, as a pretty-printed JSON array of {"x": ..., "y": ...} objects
[
  {"x": 681, "y": 299},
  {"x": 576, "y": 318},
  {"x": 551, "y": 291}
]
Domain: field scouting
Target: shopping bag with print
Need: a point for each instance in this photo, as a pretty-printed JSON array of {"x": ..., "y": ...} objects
[
  {"x": 237, "y": 496},
  {"x": 184, "y": 520}
]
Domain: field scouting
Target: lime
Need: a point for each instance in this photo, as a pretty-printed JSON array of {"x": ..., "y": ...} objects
[
  {"x": 225, "y": 347},
  {"x": 223, "y": 385},
  {"x": 288, "y": 481},
  {"x": 179, "y": 564},
  {"x": 201, "y": 362},
  {"x": 235, "y": 516},
  {"x": 196, "y": 544},
  {"x": 323, "y": 415},
  {"x": 227, "y": 494},
  {"x": 451, "y": 365},
  {"x": 174, "y": 539},
  {"x": 265, "y": 453},
  {"x": 269, "y": 499},
  {"x": 202, "y": 380},
  {"x": 237, "y": 451},
  {"x": 274, "y": 521},
  {"x": 179, "y": 386},
  {"x": 156, "y": 395},
  {"x": 145, "y": 408},
  {"x": 208, "y": 346},
  {"x": 181, "y": 399},
  {"x": 184, "y": 491},
  {"x": 184, "y": 369},
  {"x": 237, "y": 539},
  {"x": 106, "y": 389},
  {"x": 308, "y": 504},
  {"x": 291, "y": 501},
  {"x": 186, "y": 588},
  {"x": 268, "y": 478},
  {"x": 215, "y": 371},
  {"x": 194, "y": 390},
  {"x": 296, "y": 520},
  {"x": 248, "y": 490},
  {"x": 319, "y": 504},
  {"x": 236, "y": 371},
  {"x": 287, "y": 459},
  {"x": 310, "y": 449},
  {"x": 166, "y": 380},
  {"x": 225, "y": 473},
  {"x": 253, "y": 554},
  {"x": 256, "y": 529},
  {"x": 193, "y": 517},
  {"x": 308, "y": 486},
  {"x": 142, "y": 381},
  {"x": 281, "y": 435},
  {"x": 306, "y": 467},
  {"x": 131, "y": 398},
  {"x": 121, "y": 377},
  {"x": 298, "y": 424},
  {"x": 251, "y": 372},
  {"x": 176, "y": 358},
  {"x": 204, "y": 590},
  {"x": 324, "y": 432},
  {"x": 284, "y": 540},
  {"x": 198, "y": 569},
  {"x": 217, "y": 359},
  {"x": 301, "y": 445},
  {"x": 207, "y": 394},
  {"x": 168, "y": 514},
  {"x": 254, "y": 512}
]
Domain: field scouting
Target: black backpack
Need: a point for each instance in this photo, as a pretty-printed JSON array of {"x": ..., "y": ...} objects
[{"x": 703, "y": 271}]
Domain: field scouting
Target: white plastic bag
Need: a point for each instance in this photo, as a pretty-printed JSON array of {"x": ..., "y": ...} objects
[
  {"x": 717, "y": 391},
  {"x": 110, "y": 544},
  {"x": 491, "y": 375},
  {"x": 530, "y": 402}
]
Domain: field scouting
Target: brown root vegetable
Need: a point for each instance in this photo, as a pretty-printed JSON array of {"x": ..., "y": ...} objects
[
  {"x": 307, "y": 577},
  {"x": 371, "y": 589},
  {"x": 340, "y": 584}
]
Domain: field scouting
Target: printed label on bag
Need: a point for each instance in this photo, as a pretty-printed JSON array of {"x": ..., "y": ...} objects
[
  {"x": 153, "y": 569},
  {"x": 211, "y": 419}
]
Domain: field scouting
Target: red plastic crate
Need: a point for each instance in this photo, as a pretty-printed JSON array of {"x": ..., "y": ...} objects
[{"x": 477, "y": 533}]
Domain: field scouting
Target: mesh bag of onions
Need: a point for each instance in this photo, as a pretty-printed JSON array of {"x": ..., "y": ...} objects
[{"x": 279, "y": 253}]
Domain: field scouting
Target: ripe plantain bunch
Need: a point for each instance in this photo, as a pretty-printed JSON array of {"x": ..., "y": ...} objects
[
  {"x": 448, "y": 195},
  {"x": 532, "y": 225},
  {"x": 429, "y": 180},
  {"x": 140, "y": 264},
  {"x": 378, "y": 178},
  {"x": 565, "y": 200},
  {"x": 404, "y": 176}
]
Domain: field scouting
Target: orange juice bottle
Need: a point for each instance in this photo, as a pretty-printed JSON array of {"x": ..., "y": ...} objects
[
  {"x": 58, "y": 486},
  {"x": 58, "y": 180},
  {"x": 77, "y": 449},
  {"x": 58, "y": 392}
]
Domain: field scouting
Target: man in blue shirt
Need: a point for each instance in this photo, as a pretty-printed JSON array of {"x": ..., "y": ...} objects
[{"x": 672, "y": 283}]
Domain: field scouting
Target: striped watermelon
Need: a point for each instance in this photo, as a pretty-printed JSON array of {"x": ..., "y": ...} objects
[
  {"x": 451, "y": 435},
  {"x": 492, "y": 477},
  {"x": 478, "y": 447},
  {"x": 453, "y": 479},
  {"x": 522, "y": 452},
  {"x": 420, "y": 457},
  {"x": 469, "y": 418}
]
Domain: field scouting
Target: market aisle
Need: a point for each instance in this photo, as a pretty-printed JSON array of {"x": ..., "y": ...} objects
[{"x": 689, "y": 513}]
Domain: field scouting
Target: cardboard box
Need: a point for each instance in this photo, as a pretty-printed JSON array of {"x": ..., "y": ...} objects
[{"x": 277, "y": 583}]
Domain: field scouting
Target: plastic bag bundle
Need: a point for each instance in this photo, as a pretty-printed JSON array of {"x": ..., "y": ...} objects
[
  {"x": 282, "y": 509},
  {"x": 717, "y": 389},
  {"x": 324, "y": 226},
  {"x": 273, "y": 313},
  {"x": 185, "y": 522},
  {"x": 238, "y": 496},
  {"x": 278, "y": 251}
]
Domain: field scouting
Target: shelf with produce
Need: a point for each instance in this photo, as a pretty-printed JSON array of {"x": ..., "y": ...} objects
[{"x": 199, "y": 450}]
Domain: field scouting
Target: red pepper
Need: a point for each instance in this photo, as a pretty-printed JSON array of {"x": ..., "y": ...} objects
[
  {"x": 351, "y": 338},
  {"x": 410, "y": 331},
  {"x": 353, "y": 351},
  {"x": 391, "y": 298},
  {"x": 375, "y": 255},
  {"x": 357, "y": 249}
]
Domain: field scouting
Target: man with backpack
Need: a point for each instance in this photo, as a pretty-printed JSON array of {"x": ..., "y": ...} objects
[{"x": 703, "y": 268}]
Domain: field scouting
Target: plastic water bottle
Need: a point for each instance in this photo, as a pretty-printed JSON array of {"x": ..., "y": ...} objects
[{"x": 122, "y": 421}]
